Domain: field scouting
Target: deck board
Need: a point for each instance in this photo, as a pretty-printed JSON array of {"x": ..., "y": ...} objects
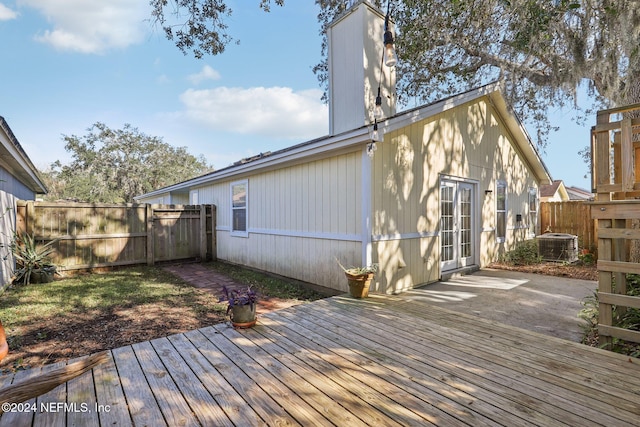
[
  {"x": 384, "y": 360},
  {"x": 83, "y": 401},
  {"x": 143, "y": 408},
  {"x": 110, "y": 396}
]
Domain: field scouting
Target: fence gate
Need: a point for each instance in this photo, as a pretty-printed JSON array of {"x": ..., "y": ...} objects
[
  {"x": 180, "y": 233},
  {"x": 105, "y": 235}
]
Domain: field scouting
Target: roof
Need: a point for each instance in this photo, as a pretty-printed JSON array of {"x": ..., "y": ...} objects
[
  {"x": 550, "y": 190},
  {"x": 577, "y": 193},
  {"x": 360, "y": 136},
  {"x": 16, "y": 160}
]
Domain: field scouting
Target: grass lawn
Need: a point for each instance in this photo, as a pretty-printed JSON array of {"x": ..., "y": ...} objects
[{"x": 76, "y": 316}]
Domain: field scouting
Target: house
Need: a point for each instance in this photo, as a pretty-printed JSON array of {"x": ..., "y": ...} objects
[
  {"x": 554, "y": 192},
  {"x": 454, "y": 183},
  {"x": 577, "y": 193},
  {"x": 18, "y": 181}
]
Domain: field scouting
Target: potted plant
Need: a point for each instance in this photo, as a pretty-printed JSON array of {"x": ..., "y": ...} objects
[
  {"x": 359, "y": 279},
  {"x": 33, "y": 263},
  {"x": 241, "y": 306}
]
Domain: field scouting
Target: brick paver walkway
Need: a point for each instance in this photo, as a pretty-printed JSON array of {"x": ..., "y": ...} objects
[{"x": 211, "y": 281}]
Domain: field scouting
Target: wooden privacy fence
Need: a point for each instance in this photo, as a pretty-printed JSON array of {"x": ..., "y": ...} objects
[
  {"x": 571, "y": 217},
  {"x": 104, "y": 235}
]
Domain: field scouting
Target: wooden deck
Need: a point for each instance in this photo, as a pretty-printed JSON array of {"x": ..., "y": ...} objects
[{"x": 384, "y": 361}]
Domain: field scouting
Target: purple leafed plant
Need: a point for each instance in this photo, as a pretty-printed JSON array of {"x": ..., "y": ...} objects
[{"x": 238, "y": 297}]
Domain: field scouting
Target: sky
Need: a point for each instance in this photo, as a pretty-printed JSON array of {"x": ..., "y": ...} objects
[{"x": 68, "y": 64}]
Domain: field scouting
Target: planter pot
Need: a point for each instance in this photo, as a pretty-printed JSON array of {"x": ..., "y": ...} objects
[
  {"x": 4, "y": 347},
  {"x": 243, "y": 316},
  {"x": 359, "y": 285},
  {"x": 43, "y": 275}
]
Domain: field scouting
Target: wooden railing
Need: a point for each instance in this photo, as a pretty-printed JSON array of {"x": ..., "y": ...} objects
[
  {"x": 615, "y": 154},
  {"x": 104, "y": 235}
]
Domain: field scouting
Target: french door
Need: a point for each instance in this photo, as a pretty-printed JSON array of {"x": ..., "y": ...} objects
[{"x": 457, "y": 232}]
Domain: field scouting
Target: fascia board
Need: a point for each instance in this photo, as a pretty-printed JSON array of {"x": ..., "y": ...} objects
[
  {"x": 522, "y": 138},
  {"x": 303, "y": 152},
  {"x": 16, "y": 163}
]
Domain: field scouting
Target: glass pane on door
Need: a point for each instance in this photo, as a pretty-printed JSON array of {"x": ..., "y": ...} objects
[
  {"x": 446, "y": 223},
  {"x": 464, "y": 195}
]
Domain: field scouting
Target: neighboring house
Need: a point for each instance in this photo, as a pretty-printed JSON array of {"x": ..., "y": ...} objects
[
  {"x": 554, "y": 192},
  {"x": 454, "y": 184},
  {"x": 18, "y": 181},
  {"x": 576, "y": 193}
]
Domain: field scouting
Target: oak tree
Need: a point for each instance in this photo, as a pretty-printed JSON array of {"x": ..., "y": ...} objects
[{"x": 113, "y": 166}]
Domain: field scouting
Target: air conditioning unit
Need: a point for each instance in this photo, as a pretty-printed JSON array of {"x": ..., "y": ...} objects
[{"x": 558, "y": 247}]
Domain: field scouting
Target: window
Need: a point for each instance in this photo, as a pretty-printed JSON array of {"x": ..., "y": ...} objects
[
  {"x": 533, "y": 210},
  {"x": 501, "y": 211},
  {"x": 239, "y": 208}
]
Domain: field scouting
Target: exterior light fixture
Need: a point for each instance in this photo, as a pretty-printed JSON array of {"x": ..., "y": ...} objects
[
  {"x": 376, "y": 134},
  {"x": 377, "y": 112},
  {"x": 389, "y": 59},
  {"x": 389, "y": 56},
  {"x": 371, "y": 149}
]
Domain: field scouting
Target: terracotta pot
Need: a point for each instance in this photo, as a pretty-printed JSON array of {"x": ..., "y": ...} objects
[
  {"x": 359, "y": 284},
  {"x": 243, "y": 316},
  {"x": 4, "y": 347}
]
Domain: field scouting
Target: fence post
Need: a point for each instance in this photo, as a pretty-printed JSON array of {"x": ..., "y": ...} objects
[
  {"x": 214, "y": 236},
  {"x": 149, "y": 230},
  {"x": 21, "y": 216},
  {"x": 203, "y": 232},
  {"x": 30, "y": 218}
]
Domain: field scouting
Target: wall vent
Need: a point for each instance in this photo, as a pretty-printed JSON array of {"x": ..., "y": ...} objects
[{"x": 558, "y": 247}]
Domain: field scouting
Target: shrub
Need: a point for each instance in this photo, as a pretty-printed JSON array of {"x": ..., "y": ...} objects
[{"x": 525, "y": 253}]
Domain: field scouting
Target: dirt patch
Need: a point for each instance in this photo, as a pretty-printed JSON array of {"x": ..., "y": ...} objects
[
  {"x": 574, "y": 271},
  {"x": 79, "y": 334}
]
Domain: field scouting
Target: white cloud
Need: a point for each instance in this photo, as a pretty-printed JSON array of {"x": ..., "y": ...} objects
[
  {"x": 207, "y": 73},
  {"x": 7, "y": 14},
  {"x": 270, "y": 112},
  {"x": 92, "y": 26}
]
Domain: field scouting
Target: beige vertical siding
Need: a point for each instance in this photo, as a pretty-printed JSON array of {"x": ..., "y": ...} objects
[
  {"x": 469, "y": 142},
  {"x": 300, "y": 219}
]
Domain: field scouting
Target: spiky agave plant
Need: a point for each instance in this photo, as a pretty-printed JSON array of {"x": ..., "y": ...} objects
[{"x": 30, "y": 256}]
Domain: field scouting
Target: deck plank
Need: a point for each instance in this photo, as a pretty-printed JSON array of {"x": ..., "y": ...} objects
[
  {"x": 110, "y": 396},
  {"x": 82, "y": 400},
  {"x": 142, "y": 404}
]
